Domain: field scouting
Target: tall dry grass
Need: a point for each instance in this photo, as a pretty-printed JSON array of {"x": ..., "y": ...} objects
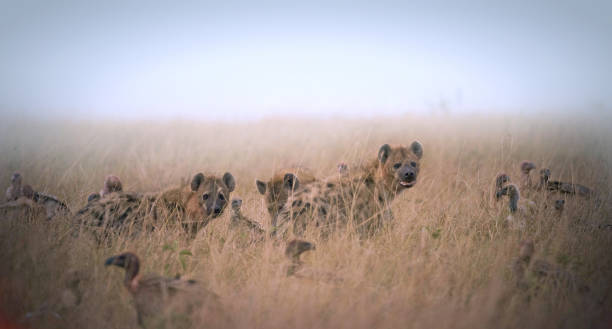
[{"x": 442, "y": 264}]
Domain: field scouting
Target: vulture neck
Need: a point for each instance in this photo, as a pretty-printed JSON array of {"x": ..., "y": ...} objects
[{"x": 132, "y": 276}]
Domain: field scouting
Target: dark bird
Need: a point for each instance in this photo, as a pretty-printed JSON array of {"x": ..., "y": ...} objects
[
  {"x": 14, "y": 191},
  {"x": 544, "y": 178},
  {"x": 297, "y": 269},
  {"x": 112, "y": 184},
  {"x": 563, "y": 187},
  {"x": 160, "y": 300},
  {"x": 500, "y": 180},
  {"x": 559, "y": 205},
  {"x": 526, "y": 268},
  {"x": 93, "y": 197},
  {"x": 521, "y": 208},
  {"x": 237, "y": 219},
  {"x": 293, "y": 251},
  {"x": 526, "y": 168}
]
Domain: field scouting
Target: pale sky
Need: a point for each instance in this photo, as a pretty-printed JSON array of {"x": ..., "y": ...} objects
[{"x": 249, "y": 59}]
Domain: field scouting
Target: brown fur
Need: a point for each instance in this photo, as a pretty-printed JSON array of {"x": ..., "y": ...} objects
[
  {"x": 203, "y": 200},
  {"x": 360, "y": 200},
  {"x": 192, "y": 206},
  {"x": 276, "y": 192}
]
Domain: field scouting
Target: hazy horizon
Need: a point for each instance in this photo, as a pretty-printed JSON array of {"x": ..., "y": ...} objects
[{"x": 244, "y": 60}]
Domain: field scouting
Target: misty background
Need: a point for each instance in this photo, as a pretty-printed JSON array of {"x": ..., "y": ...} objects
[{"x": 233, "y": 59}]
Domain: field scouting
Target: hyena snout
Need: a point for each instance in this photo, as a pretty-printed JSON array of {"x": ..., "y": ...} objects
[
  {"x": 216, "y": 208},
  {"x": 407, "y": 174}
]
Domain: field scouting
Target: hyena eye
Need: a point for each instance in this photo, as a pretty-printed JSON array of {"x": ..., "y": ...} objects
[
  {"x": 414, "y": 164},
  {"x": 205, "y": 197},
  {"x": 221, "y": 197},
  {"x": 397, "y": 165}
]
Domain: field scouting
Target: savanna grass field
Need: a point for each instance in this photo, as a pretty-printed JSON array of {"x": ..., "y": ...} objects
[{"x": 445, "y": 261}]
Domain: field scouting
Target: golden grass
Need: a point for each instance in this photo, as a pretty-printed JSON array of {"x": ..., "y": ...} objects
[{"x": 443, "y": 263}]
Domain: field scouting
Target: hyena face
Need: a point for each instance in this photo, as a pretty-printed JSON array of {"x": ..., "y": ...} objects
[
  {"x": 274, "y": 194},
  {"x": 276, "y": 191},
  {"x": 400, "y": 165},
  {"x": 210, "y": 196}
]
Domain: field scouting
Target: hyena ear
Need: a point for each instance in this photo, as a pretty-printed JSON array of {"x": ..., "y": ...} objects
[
  {"x": 290, "y": 181},
  {"x": 196, "y": 181},
  {"x": 261, "y": 186},
  {"x": 383, "y": 153},
  {"x": 229, "y": 181},
  {"x": 417, "y": 149}
]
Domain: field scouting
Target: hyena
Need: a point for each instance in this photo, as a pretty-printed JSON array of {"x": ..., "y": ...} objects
[
  {"x": 360, "y": 200},
  {"x": 192, "y": 206},
  {"x": 276, "y": 191}
]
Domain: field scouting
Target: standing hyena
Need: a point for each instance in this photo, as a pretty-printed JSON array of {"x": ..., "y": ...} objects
[
  {"x": 360, "y": 201},
  {"x": 192, "y": 206}
]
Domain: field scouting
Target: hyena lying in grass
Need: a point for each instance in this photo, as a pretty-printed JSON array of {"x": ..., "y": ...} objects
[
  {"x": 276, "y": 191},
  {"x": 192, "y": 206},
  {"x": 359, "y": 201}
]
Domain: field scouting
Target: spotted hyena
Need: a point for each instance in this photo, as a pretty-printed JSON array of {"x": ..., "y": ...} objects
[
  {"x": 192, "y": 206},
  {"x": 359, "y": 201},
  {"x": 277, "y": 189}
]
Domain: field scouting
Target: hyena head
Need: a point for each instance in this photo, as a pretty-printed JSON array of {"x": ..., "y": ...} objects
[
  {"x": 276, "y": 191},
  {"x": 400, "y": 165},
  {"x": 209, "y": 196},
  {"x": 273, "y": 194}
]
